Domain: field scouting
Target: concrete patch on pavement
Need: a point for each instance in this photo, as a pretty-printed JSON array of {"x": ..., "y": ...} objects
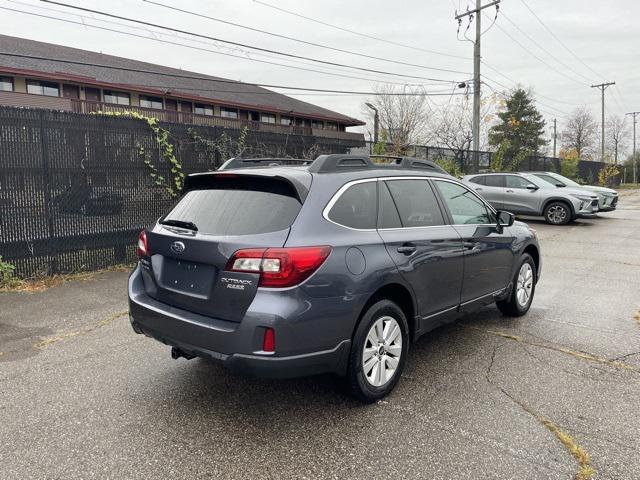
[
  {"x": 585, "y": 470},
  {"x": 45, "y": 342}
]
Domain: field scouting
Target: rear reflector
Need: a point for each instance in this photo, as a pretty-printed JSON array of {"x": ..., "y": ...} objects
[
  {"x": 142, "y": 249},
  {"x": 269, "y": 340},
  {"x": 279, "y": 267}
]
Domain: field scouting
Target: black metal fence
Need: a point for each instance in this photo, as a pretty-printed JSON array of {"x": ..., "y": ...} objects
[
  {"x": 74, "y": 191},
  {"x": 471, "y": 161}
]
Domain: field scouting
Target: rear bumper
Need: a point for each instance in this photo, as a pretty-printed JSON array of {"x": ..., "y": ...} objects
[{"x": 236, "y": 344}]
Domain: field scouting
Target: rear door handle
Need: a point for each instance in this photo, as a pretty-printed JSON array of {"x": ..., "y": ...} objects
[
  {"x": 469, "y": 245},
  {"x": 478, "y": 189},
  {"x": 509, "y": 191},
  {"x": 407, "y": 249}
]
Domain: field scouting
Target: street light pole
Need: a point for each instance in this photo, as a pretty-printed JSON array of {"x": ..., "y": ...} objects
[
  {"x": 376, "y": 122},
  {"x": 633, "y": 158}
]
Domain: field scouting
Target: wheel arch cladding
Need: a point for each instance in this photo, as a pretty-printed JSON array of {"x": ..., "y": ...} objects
[
  {"x": 535, "y": 255},
  {"x": 398, "y": 294}
]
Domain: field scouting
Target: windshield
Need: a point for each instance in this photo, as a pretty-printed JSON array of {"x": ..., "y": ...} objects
[
  {"x": 539, "y": 181},
  {"x": 567, "y": 181}
]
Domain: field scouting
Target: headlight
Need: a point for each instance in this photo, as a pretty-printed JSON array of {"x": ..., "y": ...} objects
[{"x": 584, "y": 198}]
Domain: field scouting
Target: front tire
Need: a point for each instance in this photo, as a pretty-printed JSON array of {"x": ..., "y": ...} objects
[
  {"x": 378, "y": 352},
  {"x": 524, "y": 286},
  {"x": 558, "y": 213}
]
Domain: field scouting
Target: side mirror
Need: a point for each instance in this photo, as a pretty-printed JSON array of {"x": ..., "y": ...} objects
[
  {"x": 506, "y": 219},
  {"x": 531, "y": 186}
]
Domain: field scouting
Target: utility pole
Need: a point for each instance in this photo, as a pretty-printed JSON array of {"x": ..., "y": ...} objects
[
  {"x": 555, "y": 125},
  {"x": 633, "y": 158},
  {"x": 476, "y": 14},
  {"x": 603, "y": 87}
]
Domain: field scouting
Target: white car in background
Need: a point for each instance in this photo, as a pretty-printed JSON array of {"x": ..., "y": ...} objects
[{"x": 607, "y": 197}]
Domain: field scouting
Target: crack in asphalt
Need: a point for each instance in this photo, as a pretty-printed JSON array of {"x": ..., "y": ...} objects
[
  {"x": 589, "y": 357},
  {"x": 585, "y": 470},
  {"x": 46, "y": 341}
]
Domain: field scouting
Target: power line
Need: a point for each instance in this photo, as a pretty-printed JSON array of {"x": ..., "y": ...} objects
[
  {"x": 364, "y": 35},
  {"x": 155, "y": 33},
  {"x": 168, "y": 42},
  {"x": 532, "y": 40},
  {"x": 298, "y": 40},
  {"x": 534, "y": 56},
  {"x": 216, "y": 80},
  {"x": 243, "y": 45},
  {"x": 552, "y": 33}
]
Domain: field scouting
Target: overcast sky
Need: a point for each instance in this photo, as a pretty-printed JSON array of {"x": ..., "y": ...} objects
[{"x": 603, "y": 35}]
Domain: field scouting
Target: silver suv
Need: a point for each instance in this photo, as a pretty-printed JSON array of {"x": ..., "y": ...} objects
[
  {"x": 527, "y": 194},
  {"x": 607, "y": 197}
]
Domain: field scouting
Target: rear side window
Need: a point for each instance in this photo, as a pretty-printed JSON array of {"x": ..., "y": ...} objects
[
  {"x": 416, "y": 203},
  {"x": 494, "y": 180},
  {"x": 357, "y": 207},
  {"x": 389, "y": 216},
  {"x": 238, "y": 209}
]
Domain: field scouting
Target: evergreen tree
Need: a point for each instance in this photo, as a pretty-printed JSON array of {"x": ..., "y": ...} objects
[{"x": 521, "y": 129}]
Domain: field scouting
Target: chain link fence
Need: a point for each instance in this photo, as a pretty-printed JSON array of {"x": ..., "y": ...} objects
[{"x": 75, "y": 191}]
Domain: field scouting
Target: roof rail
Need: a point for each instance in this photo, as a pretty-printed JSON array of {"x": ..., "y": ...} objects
[
  {"x": 334, "y": 163},
  {"x": 262, "y": 162}
]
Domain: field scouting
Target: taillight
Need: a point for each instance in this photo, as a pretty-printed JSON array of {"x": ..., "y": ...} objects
[
  {"x": 142, "y": 250},
  {"x": 279, "y": 267}
]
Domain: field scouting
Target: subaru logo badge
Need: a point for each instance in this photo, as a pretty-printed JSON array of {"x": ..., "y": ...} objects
[{"x": 177, "y": 247}]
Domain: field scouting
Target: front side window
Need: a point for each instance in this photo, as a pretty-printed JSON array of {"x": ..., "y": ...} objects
[
  {"x": 6, "y": 84},
  {"x": 267, "y": 118},
  {"x": 465, "y": 207},
  {"x": 514, "y": 181},
  {"x": 119, "y": 98},
  {"x": 151, "y": 102},
  {"x": 37, "y": 87},
  {"x": 201, "y": 109},
  {"x": 481, "y": 180},
  {"x": 228, "y": 112},
  {"x": 357, "y": 207},
  {"x": 416, "y": 203}
]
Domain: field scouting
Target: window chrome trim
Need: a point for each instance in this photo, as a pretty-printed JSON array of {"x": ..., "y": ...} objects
[
  {"x": 336, "y": 197},
  {"x": 345, "y": 187}
]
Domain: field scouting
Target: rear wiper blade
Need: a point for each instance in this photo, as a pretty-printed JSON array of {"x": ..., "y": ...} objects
[{"x": 179, "y": 224}]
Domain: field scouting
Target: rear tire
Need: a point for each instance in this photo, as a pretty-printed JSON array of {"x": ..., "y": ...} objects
[
  {"x": 524, "y": 287},
  {"x": 558, "y": 213},
  {"x": 378, "y": 352}
]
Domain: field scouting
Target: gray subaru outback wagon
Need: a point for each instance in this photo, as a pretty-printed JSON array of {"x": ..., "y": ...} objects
[{"x": 284, "y": 268}]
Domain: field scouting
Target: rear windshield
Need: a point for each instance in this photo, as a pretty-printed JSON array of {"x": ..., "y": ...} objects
[{"x": 238, "y": 209}]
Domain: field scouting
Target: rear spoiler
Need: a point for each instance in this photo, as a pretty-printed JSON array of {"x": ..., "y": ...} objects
[
  {"x": 233, "y": 163},
  {"x": 209, "y": 179}
]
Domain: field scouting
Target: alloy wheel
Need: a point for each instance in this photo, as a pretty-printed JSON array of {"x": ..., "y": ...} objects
[
  {"x": 524, "y": 286},
  {"x": 382, "y": 351},
  {"x": 557, "y": 214}
]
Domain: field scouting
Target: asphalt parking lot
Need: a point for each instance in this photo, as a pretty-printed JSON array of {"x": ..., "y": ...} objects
[{"x": 549, "y": 395}]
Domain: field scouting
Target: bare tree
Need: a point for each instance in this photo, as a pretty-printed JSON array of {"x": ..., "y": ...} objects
[
  {"x": 580, "y": 133},
  {"x": 451, "y": 124},
  {"x": 403, "y": 117},
  {"x": 616, "y": 134}
]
